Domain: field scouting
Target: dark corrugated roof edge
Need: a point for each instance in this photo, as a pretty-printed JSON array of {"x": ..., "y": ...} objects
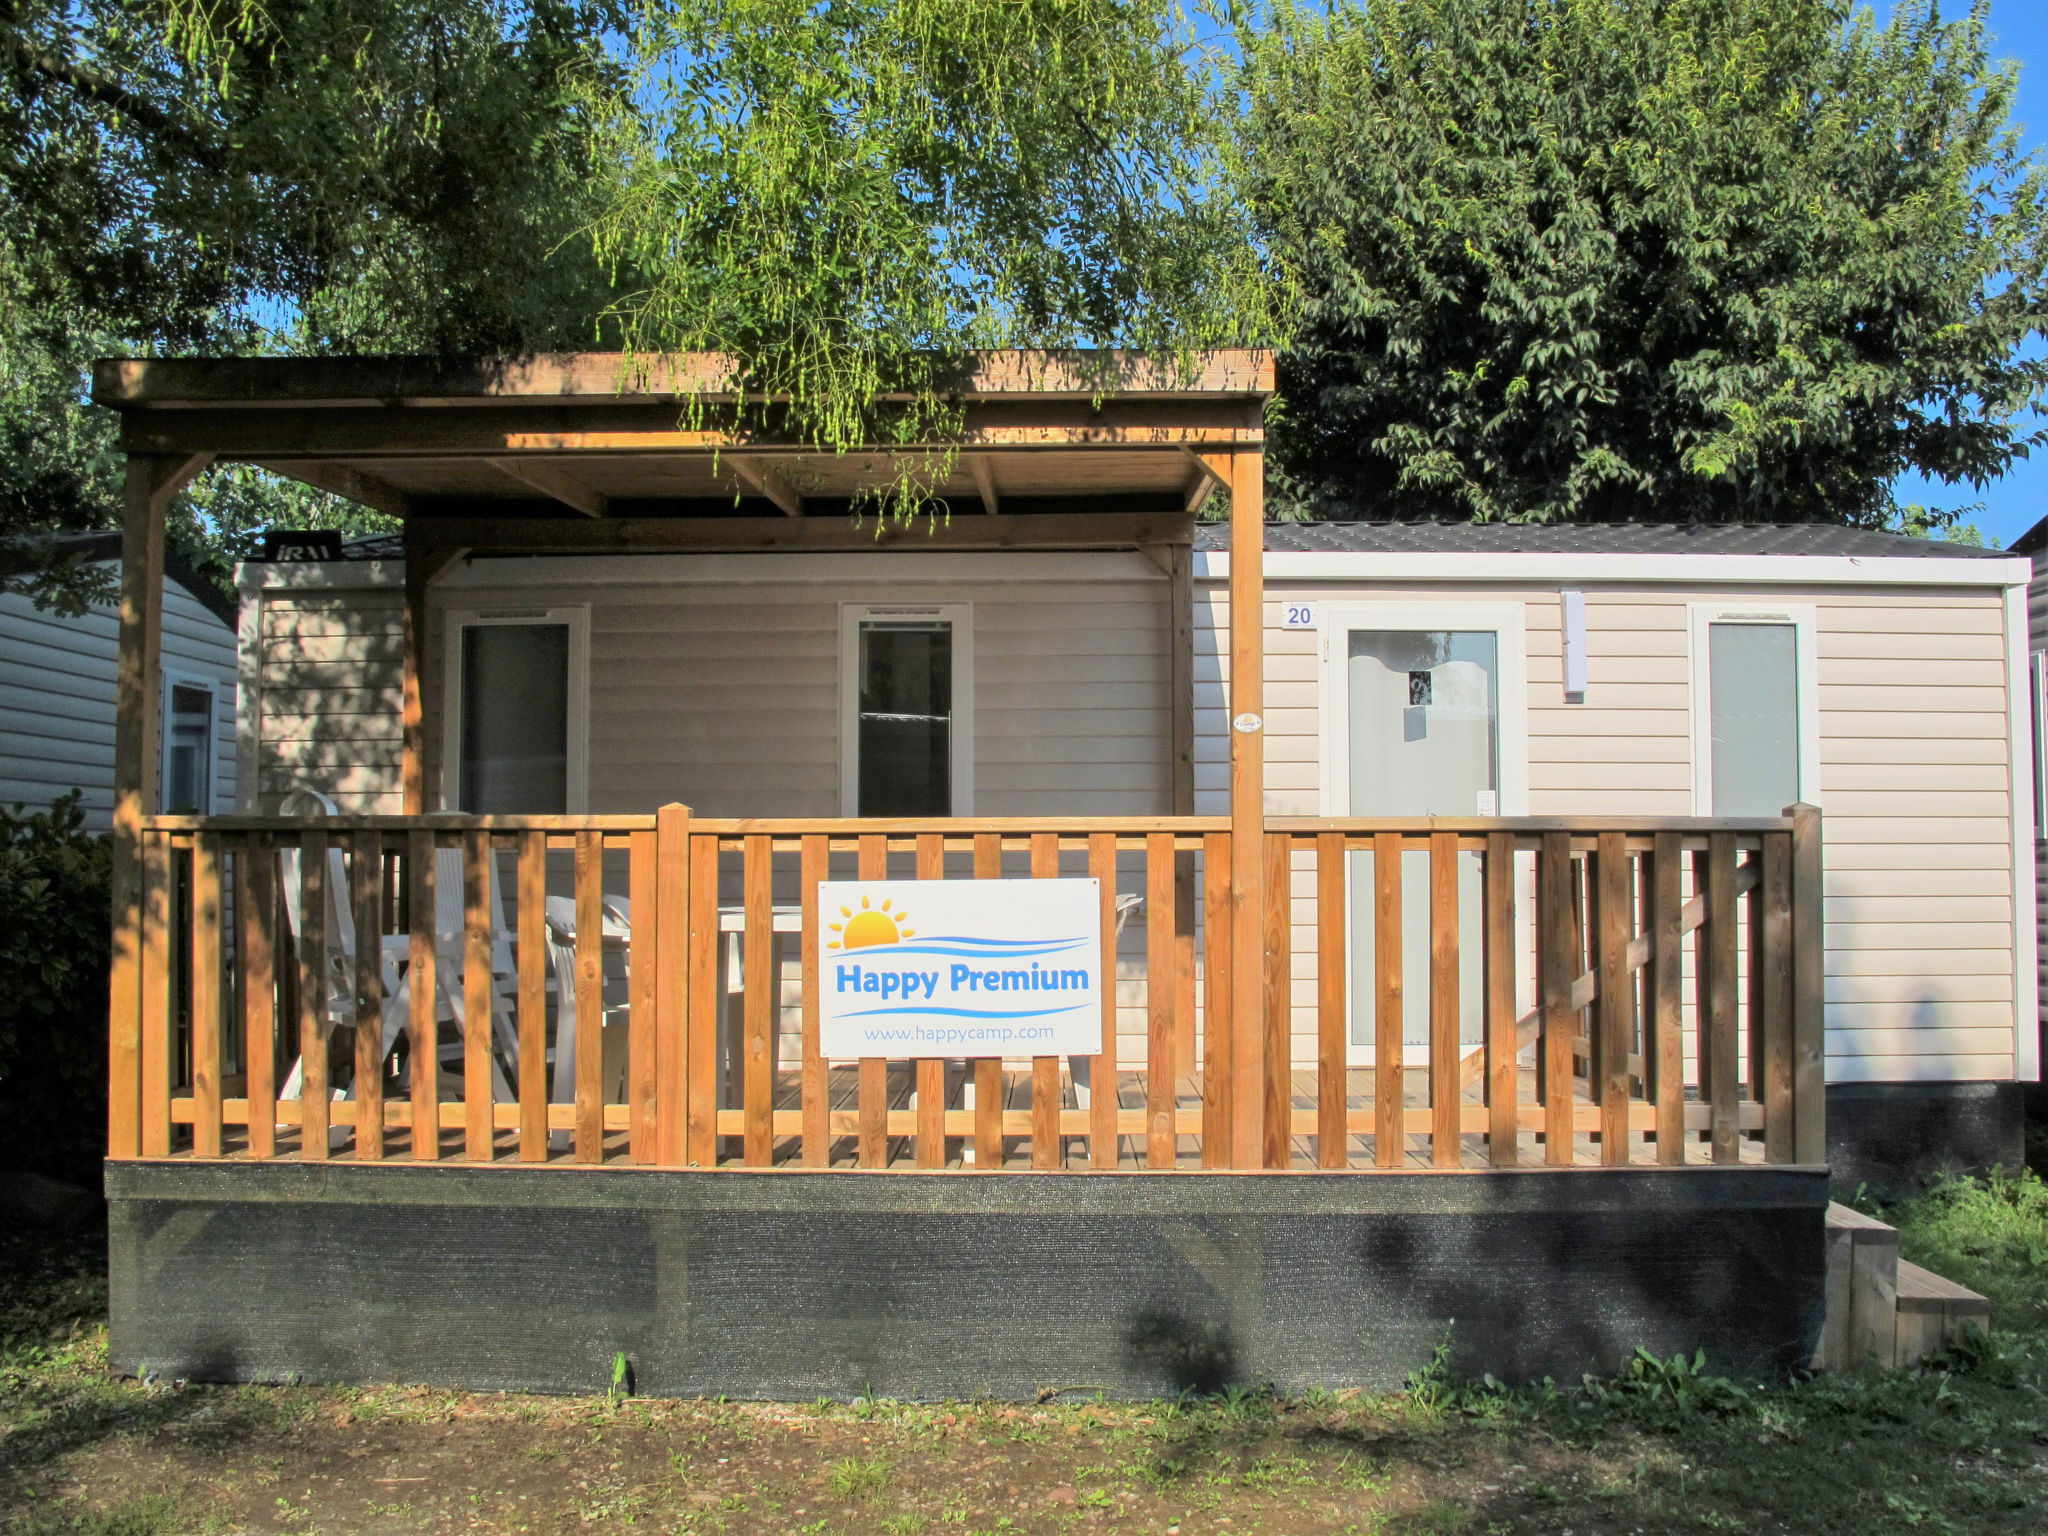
[
  {"x": 1592, "y": 539},
  {"x": 106, "y": 545}
]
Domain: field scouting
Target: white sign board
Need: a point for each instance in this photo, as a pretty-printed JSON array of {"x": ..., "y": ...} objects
[{"x": 960, "y": 968}]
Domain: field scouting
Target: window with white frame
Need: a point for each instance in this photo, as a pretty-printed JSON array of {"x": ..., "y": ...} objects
[
  {"x": 1755, "y": 719},
  {"x": 516, "y": 739},
  {"x": 188, "y": 745},
  {"x": 906, "y": 711}
]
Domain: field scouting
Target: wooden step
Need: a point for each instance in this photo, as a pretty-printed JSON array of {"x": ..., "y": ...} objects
[{"x": 1881, "y": 1308}]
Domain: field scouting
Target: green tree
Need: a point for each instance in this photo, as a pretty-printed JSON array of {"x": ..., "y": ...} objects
[
  {"x": 301, "y": 175},
  {"x": 843, "y": 198},
  {"x": 1681, "y": 260}
]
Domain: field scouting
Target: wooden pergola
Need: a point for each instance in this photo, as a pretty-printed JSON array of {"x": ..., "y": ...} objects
[{"x": 599, "y": 453}]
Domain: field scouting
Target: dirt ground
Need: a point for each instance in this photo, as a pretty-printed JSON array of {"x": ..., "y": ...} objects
[{"x": 1959, "y": 1448}]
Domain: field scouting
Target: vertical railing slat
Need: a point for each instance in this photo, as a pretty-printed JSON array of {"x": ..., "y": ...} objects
[
  {"x": 423, "y": 1035},
  {"x": 1617, "y": 993},
  {"x": 256, "y": 905},
  {"x": 1557, "y": 969},
  {"x": 533, "y": 997},
  {"x": 1333, "y": 1033},
  {"x": 1503, "y": 1075},
  {"x": 873, "y": 1102},
  {"x": 477, "y": 1130},
  {"x": 643, "y": 1002},
  {"x": 154, "y": 1048},
  {"x": 1809, "y": 1029},
  {"x": 205, "y": 995},
  {"x": 1664, "y": 1038},
  {"x": 757, "y": 1001},
  {"x": 1048, "y": 1146},
  {"x": 1104, "y": 1095},
  {"x": 991, "y": 1150},
  {"x": 1277, "y": 1142},
  {"x": 674, "y": 984},
  {"x": 589, "y": 1062},
  {"x": 366, "y": 887},
  {"x": 313, "y": 1086},
  {"x": 1718, "y": 1051},
  {"x": 1446, "y": 1082},
  {"x": 1776, "y": 965},
  {"x": 1216, "y": 993},
  {"x": 1162, "y": 996},
  {"x": 931, "y": 1070},
  {"x": 816, "y": 1087},
  {"x": 1389, "y": 1088},
  {"x": 703, "y": 1015}
]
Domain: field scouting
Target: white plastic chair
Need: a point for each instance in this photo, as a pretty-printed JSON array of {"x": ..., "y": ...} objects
[{"x": 561, "y": 942}]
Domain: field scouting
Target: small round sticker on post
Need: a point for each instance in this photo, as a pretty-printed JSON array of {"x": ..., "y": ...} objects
[{"x": 1246, "y": 723}]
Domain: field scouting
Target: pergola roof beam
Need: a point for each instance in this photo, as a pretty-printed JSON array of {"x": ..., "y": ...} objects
[
  {"x": 552, "y": 482},
  {"x": 762, "y": 478}
]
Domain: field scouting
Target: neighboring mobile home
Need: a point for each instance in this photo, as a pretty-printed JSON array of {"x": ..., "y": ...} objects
[
  {"x": 57, "y": 694},
  {"x": 1411, "y": 670}
]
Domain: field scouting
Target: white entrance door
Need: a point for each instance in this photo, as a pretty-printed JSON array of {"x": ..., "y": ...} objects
[{"x": 1423, "y": 704}]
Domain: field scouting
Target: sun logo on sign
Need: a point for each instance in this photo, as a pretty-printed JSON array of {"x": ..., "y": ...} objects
[{"x": 869, "y": 926}]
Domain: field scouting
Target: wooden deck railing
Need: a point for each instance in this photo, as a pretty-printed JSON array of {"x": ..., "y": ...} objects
[{"x": 1587, "y": 991}]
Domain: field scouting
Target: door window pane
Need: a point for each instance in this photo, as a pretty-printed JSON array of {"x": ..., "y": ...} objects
[
  {"x": 515, "y": 719},
  {"x": 1425, "y": 741},
  {"x": 1753, "y": 683},
  {"x": 906, "y": 718},
  {"x": 188, "y": 752}
]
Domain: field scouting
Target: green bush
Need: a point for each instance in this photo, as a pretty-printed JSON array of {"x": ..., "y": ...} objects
[
  {"x": 1990, "y": 1234},
  {"x": 55, "y": 936}
]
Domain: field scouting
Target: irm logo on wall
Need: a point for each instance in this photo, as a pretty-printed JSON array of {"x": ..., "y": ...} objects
[{"x": 960, "y": 968}]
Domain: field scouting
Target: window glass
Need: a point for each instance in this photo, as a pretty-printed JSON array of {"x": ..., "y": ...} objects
[
  {"x": 906, "y": 718},
  {"x": 188, "y": 752},
  {"x": 1753, "y": 683},
  {"x": 515, "y": 719}
]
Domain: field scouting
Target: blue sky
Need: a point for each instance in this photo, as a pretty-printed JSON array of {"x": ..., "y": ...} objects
[{"x": 2016, "y": 502}]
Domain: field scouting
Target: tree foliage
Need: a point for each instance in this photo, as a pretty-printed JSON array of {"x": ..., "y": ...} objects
[
  {"x": 843, "y": 198},
  {"x": 1681, "y": 260},
  {"x": 296, "y": 175}
]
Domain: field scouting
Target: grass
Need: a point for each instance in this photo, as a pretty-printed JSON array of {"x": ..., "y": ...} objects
[{"x": 1957, "y": 1449}]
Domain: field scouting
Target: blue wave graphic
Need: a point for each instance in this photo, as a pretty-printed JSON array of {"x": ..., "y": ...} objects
[
  {"x": 968, "y": 938},
  {"x": 880, "y": 951},
  {"x": 967, "y": 1013}
]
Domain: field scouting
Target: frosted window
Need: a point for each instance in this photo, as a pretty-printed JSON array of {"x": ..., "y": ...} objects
[
  {"x": 906, "y": 718},
  {"x": 515, "y": 719},
  {"x": 1753, "y": 681}
]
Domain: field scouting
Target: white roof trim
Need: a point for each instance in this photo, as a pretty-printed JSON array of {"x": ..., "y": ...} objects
[{"x": 1791, "y": 570}]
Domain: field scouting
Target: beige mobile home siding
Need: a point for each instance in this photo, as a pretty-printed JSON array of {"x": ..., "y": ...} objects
[
  {"x": 726, "y": 697},
  {"x": 1914, "y": 783}
]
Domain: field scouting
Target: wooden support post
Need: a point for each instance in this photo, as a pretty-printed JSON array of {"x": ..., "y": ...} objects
[
  {"x": 1718, "y": 1054},
  {"x": 420, "y": 757},
  {"x": 758, "y": 1002},
  {"x": 1809, "y": 1027},
  {"x": 256, "y": 901},
  {"x": 1772, "y": 1024},
  {"x": 313, "y": 1024},
  {"x": 671, "y": 980},
  {"x": 477, "y": 874},
  {"x": 1247, "y": 804},
  {"x": 205, "y": 994},
  {"x": 643, "y": 1105},
  {"x": 702, "y": 1015},
  {"x": 138, "y": 666}
]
